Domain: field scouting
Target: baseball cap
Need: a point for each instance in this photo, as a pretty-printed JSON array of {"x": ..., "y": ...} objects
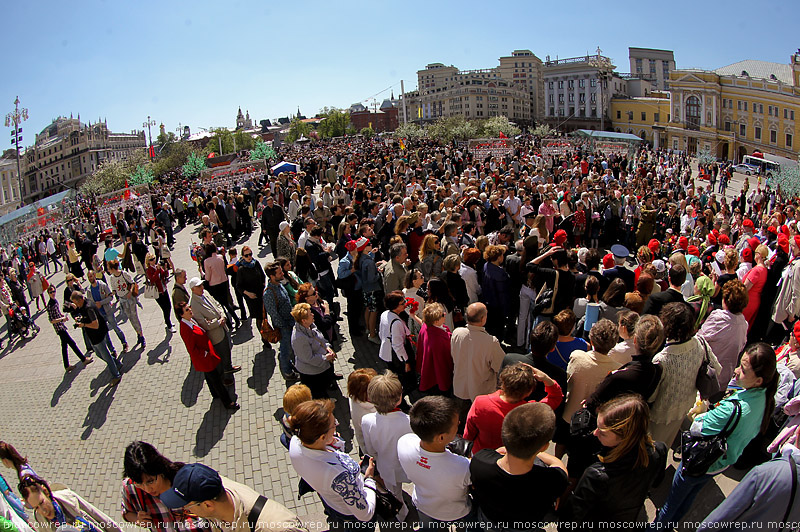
[
  {"x": 350, "y": 246},
  {"x": 195, "y": 281},
  {"x": 660, "y": 265},
  {"x": 192, "y": 483},
  {"x": 362, "y": 243}
]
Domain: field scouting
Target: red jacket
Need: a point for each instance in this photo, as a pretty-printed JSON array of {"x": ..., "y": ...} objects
[
  {"x": 202, "y": 353},
  {"x": 434, "y": 362}
]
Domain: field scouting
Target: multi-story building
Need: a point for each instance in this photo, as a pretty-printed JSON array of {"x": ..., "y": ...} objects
[
  {"x": 737, "y": 109},
  {"x": 383, "y": 119},
  {"x": 652, "y": 65},
  {"x": 578, "y": 90},
  {"x": 644, "y": 116},
  {"x": 68, "y": 151},
  {"x": 514, "y": 89},
  {"x": 9, "y": 183}
]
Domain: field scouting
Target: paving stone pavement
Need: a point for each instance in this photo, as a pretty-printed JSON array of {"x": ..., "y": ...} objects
[{"x": 73, "y": 427}]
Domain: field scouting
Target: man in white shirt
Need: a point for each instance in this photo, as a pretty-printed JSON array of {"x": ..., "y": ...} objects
[
  {"x": 513, "y": 206},
  {"x": 441, "y": 479},
  {"x": 51, "y": 253}
]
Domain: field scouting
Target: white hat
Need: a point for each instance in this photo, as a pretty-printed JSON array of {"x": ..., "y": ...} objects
[
  {"x": 195, "y": 281},
  {"x": 283, "y": 225}
]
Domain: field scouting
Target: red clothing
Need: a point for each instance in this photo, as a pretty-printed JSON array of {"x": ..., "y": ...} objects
[
  {"x": 157, "y": 276},
  {"x": 757, "y": 276},
  {"x": 202, "y": 353},
  {"x": 485, "y": 418},
  {"x": 434, "y": 362}
]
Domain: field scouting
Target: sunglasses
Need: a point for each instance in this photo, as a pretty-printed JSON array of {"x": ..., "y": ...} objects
[{"x": 247, "y": 255}]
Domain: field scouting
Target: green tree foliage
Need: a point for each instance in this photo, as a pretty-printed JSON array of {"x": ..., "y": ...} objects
[
  {"x": 112, "y": 175},
  {"x": 334, "y": 122},
  {"x": 787, "y": 181},
  {"x": 410, "y": 131},
  {"x": 543, "y": 131},
  {"x": 447, "y": 129},
  {"x": 262, "y": 151},
  {"x": 172, "y": 157},
  {"x": 297, "y": 129},
  {"x": 492, "y": 127},
  {"x": 367, "y": 132},
  {"x": 229, "y": 141},
  {"x": 142, "y": 175},
  {"x": 195, "y": 164}
]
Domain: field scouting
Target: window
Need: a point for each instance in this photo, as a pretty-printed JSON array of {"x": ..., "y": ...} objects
[
  {"x": 727, "y": 126},
  {"x": 742, "y": 130},
  {"x": 739, "y": 105},
  {"x": 571, "y": 97},
  {"x": 550, "y": 85},
  {"x": 791, "y": 115},
  {"x": 619, "y": 115},
  {"x": 773, "y": 136},
  {"x": 582, "y": 97},
  {"x": 758, "y": 133},
  {"x": 593, "y": 83},
  {"x": 571, "y": 84},
  {"x": 560, "y": 84},
  {"x": 561, "y": 98},
  {"x": 593, "y": 97},
  {"x": 581, "y": 83},
  {"x": 551, "y": 98},
  {"x": 552, "y": 112},
  {"x": 744, "y": 104},
  {"x": 656, "y": 117},
  {"x": 652, "y": 67},
  {"x": 675, "y": 144},
  {"x": 644, "y": 116},
  {"x": 693, "y": 112},
  {"x": 788, "y": 140},
  {"x": 638, "y": 66}
]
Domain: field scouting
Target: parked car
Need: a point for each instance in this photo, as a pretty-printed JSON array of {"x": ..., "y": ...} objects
[{"x": 745, "y": 169}]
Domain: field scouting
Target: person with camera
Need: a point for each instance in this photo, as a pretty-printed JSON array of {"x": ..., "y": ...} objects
[{"x": 96, "y": 329}]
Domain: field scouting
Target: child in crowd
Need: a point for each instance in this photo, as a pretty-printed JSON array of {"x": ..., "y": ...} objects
[
  {"x": 357, "y": 384},
  {"x": 441, "y": 479},
  {"x": 294, "y": 396}
]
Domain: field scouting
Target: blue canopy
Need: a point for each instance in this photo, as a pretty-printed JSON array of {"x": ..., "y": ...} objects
[{"x": 284, "y": 166}]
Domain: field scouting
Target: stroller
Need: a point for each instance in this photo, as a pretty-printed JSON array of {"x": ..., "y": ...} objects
[{"x": 21, "y": 323}]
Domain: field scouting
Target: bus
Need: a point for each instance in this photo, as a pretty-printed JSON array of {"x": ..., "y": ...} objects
[{"x": 767, "y": 164}]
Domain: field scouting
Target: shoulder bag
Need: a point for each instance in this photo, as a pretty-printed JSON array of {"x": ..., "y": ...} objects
[
  {"x": 700, "y": 452},
  {"x": 546, "y": 298},
  {"x": 706, "y": 381},
  {"x": 150, "y": 290}
]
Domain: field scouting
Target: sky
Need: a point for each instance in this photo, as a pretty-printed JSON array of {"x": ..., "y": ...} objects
[{"x": 195, "y": 63}]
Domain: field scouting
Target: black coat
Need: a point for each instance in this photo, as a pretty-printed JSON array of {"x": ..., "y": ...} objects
[{"x": 658, "y": 301}]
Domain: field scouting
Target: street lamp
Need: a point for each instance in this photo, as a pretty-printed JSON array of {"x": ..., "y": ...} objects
[
  {"x": 149, "y": 135},
  {"x": 16, "y": 118}
]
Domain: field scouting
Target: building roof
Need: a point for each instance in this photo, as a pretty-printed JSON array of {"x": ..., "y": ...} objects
[
  {"x": 758, "y": 69},
  {"x": 606, "y": 135}
]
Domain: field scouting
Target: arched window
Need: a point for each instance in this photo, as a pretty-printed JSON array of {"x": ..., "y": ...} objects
[{"x": 693, "y": 112}]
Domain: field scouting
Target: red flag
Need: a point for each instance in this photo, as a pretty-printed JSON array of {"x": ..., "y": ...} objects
[{"x": 502, "y": 135}]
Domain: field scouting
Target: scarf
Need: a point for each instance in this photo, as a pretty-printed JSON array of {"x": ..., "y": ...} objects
[
  {"x": 705, "y": 286},
  {"x": 244, "y": 264}
]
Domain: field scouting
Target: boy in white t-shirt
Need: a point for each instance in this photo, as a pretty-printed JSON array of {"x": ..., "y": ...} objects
[{"x": 441, "y": 479}]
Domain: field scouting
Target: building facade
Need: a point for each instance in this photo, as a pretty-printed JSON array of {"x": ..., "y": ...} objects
[
  {"x": 646, "y": 117},
  {"x": 514, "y": 89},
  {"x": 9, "y": 183},
  {"x": 578, "y": 90},
  {"x": 653, "y": 65},
  {"x": 383, "y": 119},
  {"x": 68, "y": 151},
  {"x": 738, "y": 109}
]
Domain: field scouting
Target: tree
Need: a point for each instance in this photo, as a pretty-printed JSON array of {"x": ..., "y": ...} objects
[
  {"x": 195, "y": 164},
  {"x": 367, "y": 132},
  {"x": 113, "y": 175},
  {"x": 543, "y": 131},
  {"x": 787, "y": 181},
  {"x": 262, "y": 151},
  {"x": 172, "y": 157},
  {"x": 297, "y": 129},
  {"x": 334, "y": 122},
  {"x": 142, "y": 175},
  {"x": 410, "y": 131},
  {"x": 492, "y": 127},
  {"x": 704, "y": 156}
]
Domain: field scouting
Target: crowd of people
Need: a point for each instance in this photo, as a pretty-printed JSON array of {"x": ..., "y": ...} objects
[{"x": 514, "y": 303}]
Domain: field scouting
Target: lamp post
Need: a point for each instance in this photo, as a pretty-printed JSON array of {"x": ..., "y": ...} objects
[
  {"x": 149, "y": 135},
  {"x": 16, "y": 118}
]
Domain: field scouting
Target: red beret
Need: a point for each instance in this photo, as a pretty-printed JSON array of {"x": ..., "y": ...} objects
[
  {"x": 772, "y": 230},
  {"x": 797, "y": 240},
  {"x": 683, "y": 243},
  {"x": 753, "y": 242},
  {"x": 747, "y": 255},
  {"x": 723, "y": 240},
  {"x": 560, "y": 237},
  {"x": 694, "y": 251},
  {"x": 796, "y": 330},
  {"x": 712, "y": 239},
  {"x": 783, "y": 243},
  {"x": 748, "y": 223},
  {"x": 715, "y": 232},
  {"x": 654, "y": 246},
  {"x": 608, "y": 261}
]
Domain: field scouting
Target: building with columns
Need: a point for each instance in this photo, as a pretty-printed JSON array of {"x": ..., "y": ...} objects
[
  {"x": 737, "y": 109},
  {"x": 9, "y": 183},
  {"x": 578, "y": 91},
  {"x": 644, "y": 116}
]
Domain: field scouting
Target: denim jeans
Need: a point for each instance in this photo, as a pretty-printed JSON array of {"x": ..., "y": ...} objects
[
  {"x": 114, "y": 365},
  {"x": 681, "y": 496},
  {"x": 285, "y": 353},
  {"x": 114, "y": 326}
]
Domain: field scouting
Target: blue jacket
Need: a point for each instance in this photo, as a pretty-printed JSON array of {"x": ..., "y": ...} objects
[
  {"x": 280, "y": 313},
  {"x": 495, "y": 288},
  {"x": 369, "y": 273},
  {"x": 345, "y": 270}
]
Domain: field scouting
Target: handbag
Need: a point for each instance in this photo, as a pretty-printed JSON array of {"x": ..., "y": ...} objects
[
  {"x": 706, "y": 381},
  {"x": 583, "y": 423},
  {"x": 45, "y": 284},
  {"x": 150, "y": 291},
  {"x": 268, "y": 333},
  {"x": 546, "y": 299},
  {"x": 387, "y": 505},
  {"x": 700, "y": 452}
]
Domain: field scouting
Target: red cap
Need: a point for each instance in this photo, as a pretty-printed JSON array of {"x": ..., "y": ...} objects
[
  {"x": 559, "y": 238},
  {"x": 350, "y": 246},
  {"x": 694, "y": 251},
  {"x": 772, "y": 230},
  {"x": 747, "y": 255},
  {"x": 608, "y": 261},
  {"x": 683, "y": 243},
  {"x": 783, "y": 243},
  {"x": 748, "y": 223},
  {"x": 797, "y": 240},
  {"x": 785, "y": 230},
  {"x": 796, "y": 330},
  {"x": 715, "y": 232},
  {"x": 712, "y": 239},
  {"x": 654, "y": 246},
  {"x": 723, "y": 240},
  {"x": 361, "y": 243},
  {"x": 753, "y": 242}
]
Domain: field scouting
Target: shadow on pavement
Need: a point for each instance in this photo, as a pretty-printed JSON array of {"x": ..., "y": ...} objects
[
  {"x": 263, "y": 368},
  {"x": 192, "y": 385},
  {"x": 66, "y": 383},
  {"x": 130, "y": 358},
  {"x": 342, "y": 414},
  {"x": 97, "y": 413},
  {"x": 162, "y": 349},
  {"x": 243, "y": 334},
  {"x": 212, "y": 428}
]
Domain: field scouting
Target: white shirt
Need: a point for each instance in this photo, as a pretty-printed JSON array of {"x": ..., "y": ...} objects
[
  {"x": 470, "y": 277},
  {"x": 381, "y": 433},
  {"x": 441, "y": 480},
  {"x": 394, "y": 338},
  {"x": 51, "y": 246},
  {"x": 357, "y": 411}
]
